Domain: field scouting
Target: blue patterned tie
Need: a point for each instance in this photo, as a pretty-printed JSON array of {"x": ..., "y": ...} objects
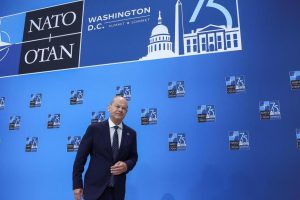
[{"x": 115, "y": 150}]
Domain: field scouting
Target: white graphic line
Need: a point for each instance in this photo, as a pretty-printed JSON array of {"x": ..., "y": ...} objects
[
  {"x": 50, "y": 37},
  {"x": 4, "y": 49}
]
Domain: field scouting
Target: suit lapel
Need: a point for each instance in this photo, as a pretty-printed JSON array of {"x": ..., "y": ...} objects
[
  {"x": 107, "y": 139},
  {"x": 124, "y": 139}
]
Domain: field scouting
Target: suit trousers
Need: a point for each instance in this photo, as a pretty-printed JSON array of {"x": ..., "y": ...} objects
[{"x": 108, "y": 194}]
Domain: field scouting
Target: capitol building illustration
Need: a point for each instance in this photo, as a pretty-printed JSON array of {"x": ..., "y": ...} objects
[
  {"x": 208, "y": 39},
  {"x": 160, "y": 42}
]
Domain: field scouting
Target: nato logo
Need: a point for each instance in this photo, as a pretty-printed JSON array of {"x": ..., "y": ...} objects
[
  {"x": 235, "y": 84},
  {"x": 295, "y": 79},
  {"x": 269, "y": 110},
  {"x": 14, "y": 122},
  {"x": 98, "y": 117},
  {"x": 239, "y": 140},
  {"x": 11, "y": 33},
  {"x": 53, "y": 121},
  {"x": 177, "y": 141},
  {"x": 73, "y": 143},
  {"x": 298, "y": 138},
  {"x": 2, "y": 103},
  {"x": 31, "y": 144},
  {"x": 124, "y": 91},
  {"x": 35, "y": 100},
  {"x": 76, "y": 97},
  {"x": 149, "y": 116},
  {"x": 5, "y": 43},
  {"x": 206, "y": 113},
  {"x": 176, "y": 89}
]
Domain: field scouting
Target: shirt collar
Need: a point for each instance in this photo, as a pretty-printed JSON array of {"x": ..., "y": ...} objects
[{"x": 111, "y": 124}]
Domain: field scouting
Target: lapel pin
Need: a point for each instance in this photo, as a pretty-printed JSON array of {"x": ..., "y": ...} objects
[{"x": 128, "y": 133}]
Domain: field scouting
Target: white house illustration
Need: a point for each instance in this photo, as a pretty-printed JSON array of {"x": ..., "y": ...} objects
[
  {"x": 160, "y": 45},
  {"x": 212, "y": 39},
  {"x": 209, "y": 39}
]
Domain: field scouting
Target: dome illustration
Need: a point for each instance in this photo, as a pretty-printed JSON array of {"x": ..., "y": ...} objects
[
  {"x": 160, "y": 45},
  {"x": 160, "y": 29}
]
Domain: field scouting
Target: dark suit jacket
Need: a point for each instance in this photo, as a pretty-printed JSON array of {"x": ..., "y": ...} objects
[{"x": 96, "y": 143}]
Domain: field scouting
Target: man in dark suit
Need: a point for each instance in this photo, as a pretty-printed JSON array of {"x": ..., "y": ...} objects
[{"x": 112, "y": 148}]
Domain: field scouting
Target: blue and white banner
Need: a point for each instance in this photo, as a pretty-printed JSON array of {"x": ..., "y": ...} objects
[{"x": 129, "y": 30}]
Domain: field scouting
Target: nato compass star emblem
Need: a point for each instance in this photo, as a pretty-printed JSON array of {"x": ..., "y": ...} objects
[{"x": 4, "y": 43}]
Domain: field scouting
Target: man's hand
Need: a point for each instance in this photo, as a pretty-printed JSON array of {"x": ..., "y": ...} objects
[
  {"x": 118, "y": 168},
  {"x": 77, "y": 194}
]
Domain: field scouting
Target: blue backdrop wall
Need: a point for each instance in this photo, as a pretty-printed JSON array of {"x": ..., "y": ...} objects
[{"x": 180, "y": 158}]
